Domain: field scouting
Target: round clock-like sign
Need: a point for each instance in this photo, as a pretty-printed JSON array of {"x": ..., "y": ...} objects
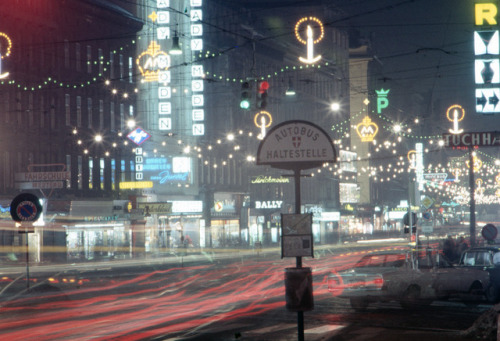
[{"x": 25, "y": 207}]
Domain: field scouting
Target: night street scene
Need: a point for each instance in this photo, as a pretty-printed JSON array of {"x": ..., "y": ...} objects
[{"x": 225, "y": 170}]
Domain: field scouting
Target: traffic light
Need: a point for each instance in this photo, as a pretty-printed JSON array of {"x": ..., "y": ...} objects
[
  {"x": 245, "y": 96},
  {"x": 262, "y": 96}
]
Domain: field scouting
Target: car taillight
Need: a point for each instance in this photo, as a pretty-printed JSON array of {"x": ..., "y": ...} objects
[{"x": 379, "y": 282}]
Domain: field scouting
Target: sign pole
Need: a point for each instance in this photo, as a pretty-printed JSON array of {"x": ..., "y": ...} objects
[
  {"x": 298, "y": 262},
  {"x": 26, "y": 233},
  {"x": 472, "y": 199}
]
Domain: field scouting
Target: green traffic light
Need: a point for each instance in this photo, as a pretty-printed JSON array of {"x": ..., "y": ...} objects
[{"x": 245, "y": 104}]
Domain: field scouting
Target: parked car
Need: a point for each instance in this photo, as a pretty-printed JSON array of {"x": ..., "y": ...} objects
[
  {"x": 411, "y": 278},
  {"x": 486, "y": 258}
]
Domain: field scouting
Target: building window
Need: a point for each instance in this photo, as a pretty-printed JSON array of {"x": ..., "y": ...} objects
[
  {"x": 101, "y": 172},
  {"x": 100, "y": 56},
  {"x": 78, "y": 57},
  {"x": 19, "y": 108},
  {"x": 31, "y": 118},
  {"x": 113, "y": 173},
  {"x": 66, "y": 54},
  {"x": 112, "y": 116},
  {"x": 101, "y": 114},
  {"x": 89, "y": 112},
  {"x": 122, "y": 67},
  {"x": 80, "y": 171},
  {"x": 122, "y": 116},
  {"x": 111, "y": 65},
  {"x": 67, "y": 108},
  {"x": 130, "y": 69},
  {"x": 78, "y": 111},
  {"x": 52, "y": 113},
  {"x": 43, "y": 112},
  {"x": 91, "y": 172},
  {"x": 89, "y": 59}
]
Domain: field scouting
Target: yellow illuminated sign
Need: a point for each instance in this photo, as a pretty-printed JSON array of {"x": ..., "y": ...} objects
[
  {"x": 477, "y": 163},
  {"x": 367, "y": 130},
  {"x": 486, "y": 13},
  {"x": 310, "y": 39},
  {"x": 152, "y": 61},
  {"x": 455, "y": 114},
  {"x": 136, "y": 184},
  {"x": 5, "y": 54},
  {"x": 412, "y": 157}
]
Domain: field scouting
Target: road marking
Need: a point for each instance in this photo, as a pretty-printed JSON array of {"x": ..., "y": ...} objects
[{"x": 324, "y": 329}]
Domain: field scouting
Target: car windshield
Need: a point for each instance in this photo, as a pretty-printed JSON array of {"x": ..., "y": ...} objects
[{"x": 383, "y": 260}]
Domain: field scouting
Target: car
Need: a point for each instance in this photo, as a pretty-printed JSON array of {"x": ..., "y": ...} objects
[
  {"x": 486, "y": 258},
  {"x": 413, "y": 278}
]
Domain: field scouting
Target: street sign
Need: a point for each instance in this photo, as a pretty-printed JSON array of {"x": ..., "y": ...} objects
[
  {"x": 296, "y": 232},
  {"x": 406, "y": 219},
  {"x": 439, "y": 177},
  {"x": 25, "y": 207},
  {"x": 427, "y": 202},
  {"x": 480, "y": 139},
  {"x": 296, "y": 145},
  {"x": 489, "y": 232},
  {"x": 42, "y": 176},
  {"x": 40, "y": 185}
]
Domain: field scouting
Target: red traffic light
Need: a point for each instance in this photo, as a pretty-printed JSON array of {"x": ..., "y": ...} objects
[{"x": 263, "y": 86}]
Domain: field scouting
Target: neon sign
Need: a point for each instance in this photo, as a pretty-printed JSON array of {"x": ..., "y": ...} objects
[
  {"x": 310, "y": 40},
  {"x": 487, "y": 50},
  {"x": 153, "y": 63},
  {"x": 382, "y": 100},
  {"x": 367, "y": 130},
  {"x": 263, "y": 120},
  {"x": 6, "y": 54},
  {"x": 458, "y": 115}
]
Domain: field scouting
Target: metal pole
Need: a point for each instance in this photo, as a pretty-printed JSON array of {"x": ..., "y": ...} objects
[
  {"x": 300, "y": 314},
  {"x": 472, "y": 199},
  {"x": 27, "y": 258}
]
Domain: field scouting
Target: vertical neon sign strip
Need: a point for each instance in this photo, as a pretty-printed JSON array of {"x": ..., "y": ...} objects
[
  {"x": 486, "y": 64},
  {"x": 197, "y": 73}
]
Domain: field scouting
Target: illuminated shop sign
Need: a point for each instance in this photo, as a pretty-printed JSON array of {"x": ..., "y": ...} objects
[
  {"x": 314, "y": 34},
  {"x": 153, "y": 61},
  {"x": 139, "y": 164},
  {"x": 136, "y": 184},
  {"x": 138, "y": 136},
  {"x": 455, "y": 114},
  {"x": 168, "y": 170},
  {"x": 4, "y": 52},
  {"x": 487, "y": 63},
  {"x": 224, "y": 202},
  {"x": 382, "y": 100},
  {"x": 264, "y": 179},
  {"x": 367, "y": 130},
  {"x": 270, "y": 204}
]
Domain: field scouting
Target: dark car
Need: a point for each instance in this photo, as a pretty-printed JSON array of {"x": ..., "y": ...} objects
[
  {"x": 486, "y": 258},
  {"x": 411, "y": 278}
]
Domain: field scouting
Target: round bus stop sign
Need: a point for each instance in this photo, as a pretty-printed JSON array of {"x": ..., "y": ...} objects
[
  {"x": 489, "y": 232},
  {"x": 25, "y": 207}
]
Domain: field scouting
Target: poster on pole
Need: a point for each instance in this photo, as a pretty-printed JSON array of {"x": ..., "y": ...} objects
[{"x": 296, "y": 234}]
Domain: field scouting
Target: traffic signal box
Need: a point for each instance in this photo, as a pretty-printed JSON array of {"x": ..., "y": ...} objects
[
  {"x": 262, "y": 95},
  {"x": 245, "y": 96}
]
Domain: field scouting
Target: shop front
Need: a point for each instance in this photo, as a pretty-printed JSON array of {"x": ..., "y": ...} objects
[
  {"x": 183, "y": 227},
  {"x": 94, "y": 230},
  {"x": 225, "y": 230}
]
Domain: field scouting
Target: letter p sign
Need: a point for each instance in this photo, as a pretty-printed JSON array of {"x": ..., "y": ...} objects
[{"x": 382, "y": 100}]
